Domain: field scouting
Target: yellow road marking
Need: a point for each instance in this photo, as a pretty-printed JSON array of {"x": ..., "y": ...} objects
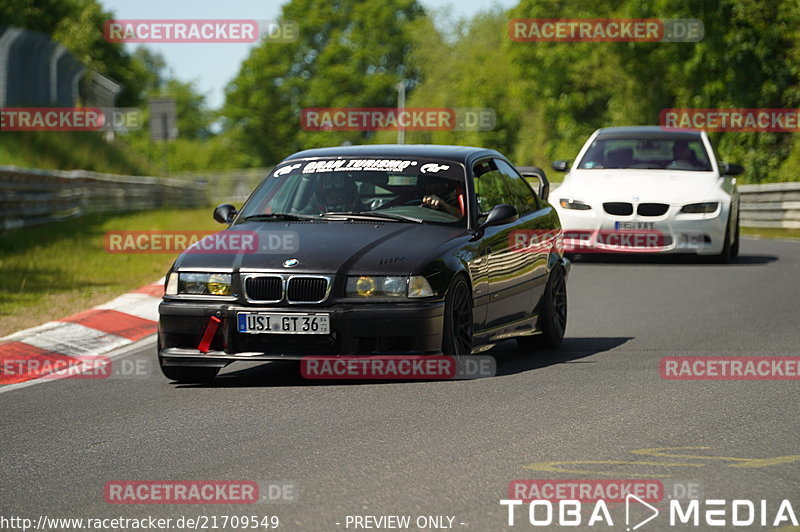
[
  {"x": 743, "y": 462},
  {"x": 552, "y": 467},
  {"x": 660, "y": 452},
  {"x": 763, "y": 462}
]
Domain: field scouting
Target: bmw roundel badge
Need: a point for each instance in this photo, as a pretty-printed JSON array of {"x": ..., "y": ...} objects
[{"x": 290, "y": 263}]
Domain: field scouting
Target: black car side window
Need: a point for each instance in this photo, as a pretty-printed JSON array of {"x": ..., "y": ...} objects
[
  {"x": 489, "y": 187},
  {"x": 517, "y": 191}
]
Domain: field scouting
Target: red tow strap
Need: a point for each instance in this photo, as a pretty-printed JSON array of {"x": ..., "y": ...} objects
[{"x": 208, "y": 336}]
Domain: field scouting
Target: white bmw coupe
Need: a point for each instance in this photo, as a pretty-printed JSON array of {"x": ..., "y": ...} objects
[{"x": 648, "y": 189}]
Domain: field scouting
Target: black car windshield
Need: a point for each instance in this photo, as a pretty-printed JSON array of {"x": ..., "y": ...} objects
[
  {"x": 392, "y": 190},
  {"x": 665, "y": 153}
]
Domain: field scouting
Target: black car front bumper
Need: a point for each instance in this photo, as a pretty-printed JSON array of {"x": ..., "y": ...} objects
[{"x": 356, "y": 329}]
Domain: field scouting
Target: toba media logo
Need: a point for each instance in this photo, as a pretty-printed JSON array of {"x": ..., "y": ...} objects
[{"x": 638, "y": 512}]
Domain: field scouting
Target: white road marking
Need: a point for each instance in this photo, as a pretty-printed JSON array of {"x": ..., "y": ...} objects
[
  {"x": 122, "y": 352},
  {"x": 73, "y": 339},
  {"x": 139, "y": 305}
]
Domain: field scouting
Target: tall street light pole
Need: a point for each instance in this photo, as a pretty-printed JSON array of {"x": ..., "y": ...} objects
[{"x": 401, "y": 103}]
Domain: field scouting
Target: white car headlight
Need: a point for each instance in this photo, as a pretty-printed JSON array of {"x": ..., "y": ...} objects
[
  {"x": 172, "y": 284},
  {"x": 574, "y": 204},
  {"x": 700, "y": 208}
]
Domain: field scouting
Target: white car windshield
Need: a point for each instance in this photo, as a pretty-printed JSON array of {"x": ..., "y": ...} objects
[{"x": 664, "y": 153}]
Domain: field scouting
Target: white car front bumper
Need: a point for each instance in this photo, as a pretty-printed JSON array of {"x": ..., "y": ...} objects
[{"x": 596, "y": 231}]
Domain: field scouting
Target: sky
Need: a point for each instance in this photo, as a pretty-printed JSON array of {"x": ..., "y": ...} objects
[{"x": 212, "y": 66}]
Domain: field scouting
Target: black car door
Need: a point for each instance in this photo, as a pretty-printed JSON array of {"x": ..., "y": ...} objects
[{"x": 516, "y": 274}]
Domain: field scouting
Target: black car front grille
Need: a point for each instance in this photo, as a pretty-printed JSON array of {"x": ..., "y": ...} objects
[
  {"x": 264, "y": 288},
  {"x": 618, "y": 208},
  {"x": 652, "y": 209},
  {"x": 306, "y": 289}
]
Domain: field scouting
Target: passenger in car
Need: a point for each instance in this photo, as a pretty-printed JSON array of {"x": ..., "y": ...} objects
[{"x": 441, "y": 194}]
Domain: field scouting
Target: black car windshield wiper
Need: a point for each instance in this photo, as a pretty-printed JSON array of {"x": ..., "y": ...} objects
[
  {"x": 279, "y": 216},
  {"x": 371, "y": 215}
]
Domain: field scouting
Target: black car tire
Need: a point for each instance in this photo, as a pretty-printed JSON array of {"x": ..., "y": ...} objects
[
  {"x": 726, "y": 255},
  {"x": 553, "y": 315},
  {"x": 457, "y": 334},
  {"x": 735, "y": 246},
  {"x": 188, "y": 374}
]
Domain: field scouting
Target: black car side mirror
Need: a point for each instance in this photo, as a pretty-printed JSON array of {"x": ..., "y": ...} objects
[
  {"x": 225, "y": 213},
  {"x": 731, "y": 168},
  {"x": 561, "y": 166},
  {"x": 539, "y": 175},
  {"x": 500, "y": 215}
]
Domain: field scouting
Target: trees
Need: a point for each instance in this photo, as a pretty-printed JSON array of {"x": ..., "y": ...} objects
[
  {"x": 78, "y": 25},
  {"x": 547, "y": 96},
  {"x": 748, "y": 58},
  {"x": 350, "y": 53}
]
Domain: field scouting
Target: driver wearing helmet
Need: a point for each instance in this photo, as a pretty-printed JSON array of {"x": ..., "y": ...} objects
[{"x": 336, "y": 193}]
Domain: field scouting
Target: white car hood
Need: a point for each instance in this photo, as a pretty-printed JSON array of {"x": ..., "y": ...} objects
[{"x": 639, "y": 186}]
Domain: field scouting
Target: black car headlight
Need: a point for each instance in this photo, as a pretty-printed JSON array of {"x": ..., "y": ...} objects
[
  {"x": 700, "y": 208},
  {"x": 378, "y": 286},
  {"x": 574, "y": 204},
  {"x": 199, "y": 284}
]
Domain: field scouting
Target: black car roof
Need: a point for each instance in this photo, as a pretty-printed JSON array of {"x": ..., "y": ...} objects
[
  {"x": 460, "y": 154},
  {"x": 647, "y": 132}
]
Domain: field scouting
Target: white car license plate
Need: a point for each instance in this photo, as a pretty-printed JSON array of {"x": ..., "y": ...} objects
[
  {"x": 634, "y": 226},
  {"x": 279, "y": 323}
]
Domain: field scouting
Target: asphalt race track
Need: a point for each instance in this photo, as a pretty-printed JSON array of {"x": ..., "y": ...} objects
[{"x": 449, "y": 448}]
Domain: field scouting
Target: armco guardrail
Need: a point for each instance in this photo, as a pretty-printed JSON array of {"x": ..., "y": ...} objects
[
  {"x": 228, "y": 186},
  {"x": 32, "y": 197},
  {"x": 770, "y": 205}
]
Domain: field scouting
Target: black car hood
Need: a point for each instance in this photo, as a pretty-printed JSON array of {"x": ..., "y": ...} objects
[{"x": 331, "y": 247}]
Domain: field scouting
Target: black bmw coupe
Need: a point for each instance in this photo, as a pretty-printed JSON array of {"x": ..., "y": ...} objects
[{"x": 370, "y": 250}]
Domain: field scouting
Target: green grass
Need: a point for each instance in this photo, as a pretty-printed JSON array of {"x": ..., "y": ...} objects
[
  {"x": 71, "y": 150},
  {"x": 53, "y": 271},
  {"x": 768, "y": 232}
]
